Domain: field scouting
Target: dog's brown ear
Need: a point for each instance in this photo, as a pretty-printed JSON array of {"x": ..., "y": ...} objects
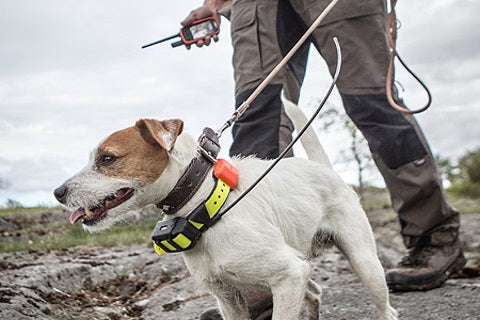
[{"x": 164, "y": 132}]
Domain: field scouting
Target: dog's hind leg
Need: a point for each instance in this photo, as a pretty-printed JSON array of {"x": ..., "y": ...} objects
[
  {"x": 313, "y": 298},
  {"x": 356, "y": 241}
]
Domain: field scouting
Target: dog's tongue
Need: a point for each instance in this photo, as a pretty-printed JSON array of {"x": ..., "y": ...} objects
[{"x": 77, "y": 215}]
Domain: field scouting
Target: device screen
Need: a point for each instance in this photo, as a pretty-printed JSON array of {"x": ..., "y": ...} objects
[{"x": 203, "y": 29}]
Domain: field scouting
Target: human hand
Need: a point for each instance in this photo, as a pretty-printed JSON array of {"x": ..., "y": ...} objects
[{"x": 199, "y": 13}]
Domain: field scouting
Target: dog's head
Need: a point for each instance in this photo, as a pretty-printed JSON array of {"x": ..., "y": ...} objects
[{"x": 123, "y": 175}]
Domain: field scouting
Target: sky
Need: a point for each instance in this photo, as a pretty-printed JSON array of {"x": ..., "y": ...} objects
[{"x": 72, "y": 72}]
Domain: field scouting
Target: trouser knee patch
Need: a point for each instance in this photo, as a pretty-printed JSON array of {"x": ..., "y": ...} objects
[{"x": 388, "y": 132}]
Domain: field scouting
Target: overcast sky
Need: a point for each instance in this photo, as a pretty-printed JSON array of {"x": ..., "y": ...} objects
[{"x": 71, "y": 72}]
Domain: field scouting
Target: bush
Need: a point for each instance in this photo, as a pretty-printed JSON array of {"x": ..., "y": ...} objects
[
  {"x": 465, "y": 179},
  {"x": 13, "y": 204}
]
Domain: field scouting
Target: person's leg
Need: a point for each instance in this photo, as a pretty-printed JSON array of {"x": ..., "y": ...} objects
[
  {"x": 399, "y": 149},
  {"x": 262, "y": 33}
]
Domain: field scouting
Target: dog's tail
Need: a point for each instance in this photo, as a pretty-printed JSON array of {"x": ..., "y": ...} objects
[{"x": 309, "y": 140}]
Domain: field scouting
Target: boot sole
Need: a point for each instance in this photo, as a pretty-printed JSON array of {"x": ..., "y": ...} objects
[{"x": 455, "y": 267}]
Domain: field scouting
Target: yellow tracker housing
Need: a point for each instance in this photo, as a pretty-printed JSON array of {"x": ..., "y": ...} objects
[{"x": 180, "y": 234}]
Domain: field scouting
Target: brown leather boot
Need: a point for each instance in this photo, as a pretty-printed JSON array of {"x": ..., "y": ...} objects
[{"x": 426, "y": 266}]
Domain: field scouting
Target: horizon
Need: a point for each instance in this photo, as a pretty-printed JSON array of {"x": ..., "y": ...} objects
[{"x": 74, "y": 72}]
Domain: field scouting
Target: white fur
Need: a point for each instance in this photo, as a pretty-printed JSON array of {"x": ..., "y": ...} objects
[
  {"x": 315, "y": 151},
  {"x": 267, "y": 239}
]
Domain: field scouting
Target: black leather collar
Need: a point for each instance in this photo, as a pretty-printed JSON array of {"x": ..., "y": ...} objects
[{"x": 195, "y": 174}]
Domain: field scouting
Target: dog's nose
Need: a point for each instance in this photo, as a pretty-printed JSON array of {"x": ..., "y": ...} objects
[{"x": 61, "y": 193}]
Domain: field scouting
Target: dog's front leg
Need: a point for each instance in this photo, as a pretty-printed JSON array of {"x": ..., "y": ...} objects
[
  {"x": 313, "y": 297},
  {"x": 289, "y": 292},
  {"x": 231, "y": 302}
]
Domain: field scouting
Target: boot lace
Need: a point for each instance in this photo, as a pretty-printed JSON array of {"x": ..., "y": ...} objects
[{"x": 419, "y": 255}]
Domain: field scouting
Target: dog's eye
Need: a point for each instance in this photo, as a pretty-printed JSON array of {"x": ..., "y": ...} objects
[{"x": 106, "y": 159}]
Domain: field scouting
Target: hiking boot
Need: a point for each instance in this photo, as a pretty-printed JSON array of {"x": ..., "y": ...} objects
[
  {"x": 259, "y": 311},
  {"x": 426, "y": 266}
]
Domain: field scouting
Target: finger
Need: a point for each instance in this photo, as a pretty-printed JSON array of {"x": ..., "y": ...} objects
[
  {"x": 207, "y": 40},
  {"x": 215, "y": 37},
  {"x": 196, "y": 14},
  {"x": 200, "y": 43},
  {"x": 190, "y": 18}
]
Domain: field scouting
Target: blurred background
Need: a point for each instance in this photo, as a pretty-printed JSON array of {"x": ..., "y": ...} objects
[{"x": 72, "y": 72}]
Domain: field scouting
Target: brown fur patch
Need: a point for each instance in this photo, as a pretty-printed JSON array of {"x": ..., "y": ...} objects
[{"x": 135, "y": 158}]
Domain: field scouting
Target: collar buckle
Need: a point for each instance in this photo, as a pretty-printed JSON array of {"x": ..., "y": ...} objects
[{"x": 193, "y": 177}]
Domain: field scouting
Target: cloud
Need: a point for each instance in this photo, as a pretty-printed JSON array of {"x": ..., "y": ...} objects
[{"x": 73, "y": 72}]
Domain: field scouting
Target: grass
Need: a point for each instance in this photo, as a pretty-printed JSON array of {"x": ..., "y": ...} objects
[
  {"x": 61, "y": 235},
  {"x": 22, "y": 210},
  {"x": 374, "y": 198},
  {"x": 464, "y": 204},
  {"x": 379, "y": 198}
]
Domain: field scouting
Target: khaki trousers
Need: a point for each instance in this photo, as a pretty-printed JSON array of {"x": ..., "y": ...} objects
[{"x": 262, "y": 33}]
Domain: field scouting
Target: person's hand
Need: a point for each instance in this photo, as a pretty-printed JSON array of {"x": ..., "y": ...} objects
[{"x": 202, "y": 12}]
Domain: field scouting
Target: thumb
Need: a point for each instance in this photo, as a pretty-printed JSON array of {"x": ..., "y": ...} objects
[{"x": 199, "y": 13}]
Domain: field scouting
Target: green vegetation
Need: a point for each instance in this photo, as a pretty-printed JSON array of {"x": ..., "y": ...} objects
[
  {"x": 464, "y": 179},
  {"x": 12, "y": 206},
  {"x": 60, "y": 234},
  {"x": 374, "y": 198},
  {"x": 33, "y": 210},
  {"x": 464, "y": 204}
]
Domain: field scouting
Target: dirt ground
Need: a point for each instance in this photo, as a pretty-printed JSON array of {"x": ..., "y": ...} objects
[{"x": 132, "y": 282}]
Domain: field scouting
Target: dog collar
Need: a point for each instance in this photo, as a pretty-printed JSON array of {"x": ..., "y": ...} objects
[
  {"x": 180, "y": 234},
  {"x": 195, "y": 174}
]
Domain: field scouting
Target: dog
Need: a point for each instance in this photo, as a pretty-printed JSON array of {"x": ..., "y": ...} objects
[{"x": 265, "y": 241}]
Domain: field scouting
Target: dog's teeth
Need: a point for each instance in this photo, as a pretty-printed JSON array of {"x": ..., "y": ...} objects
[{"x": 89, "y": 212}]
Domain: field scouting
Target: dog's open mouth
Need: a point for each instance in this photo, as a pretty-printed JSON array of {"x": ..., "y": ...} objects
[{"x": 91, "y": 216}]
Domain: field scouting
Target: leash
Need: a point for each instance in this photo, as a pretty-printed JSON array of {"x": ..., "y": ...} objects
[
  {"x": 244, "y": 106},
  {"x": 180, "y": 234},
  {"x": 299, "y": 135},
  {"x": 392, "y": 41}
]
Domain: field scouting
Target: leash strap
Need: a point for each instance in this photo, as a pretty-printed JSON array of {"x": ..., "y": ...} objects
[
  {"x": 246, "y": 104},
  {"x": 195, "y": 174},
  {"x": 299, "y": 134},
  {"x": 392, "y": 41}
]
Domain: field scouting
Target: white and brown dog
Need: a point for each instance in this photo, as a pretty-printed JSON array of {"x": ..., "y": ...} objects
[{"x": 265, "y": 241}]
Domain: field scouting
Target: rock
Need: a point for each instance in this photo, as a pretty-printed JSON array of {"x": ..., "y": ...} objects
[{"x": 135, "y": 283}]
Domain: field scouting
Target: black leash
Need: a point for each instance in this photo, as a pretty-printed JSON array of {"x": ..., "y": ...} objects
[
  {"x": 180, "y": 234},
  {"x": 299, "y": 135}
]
